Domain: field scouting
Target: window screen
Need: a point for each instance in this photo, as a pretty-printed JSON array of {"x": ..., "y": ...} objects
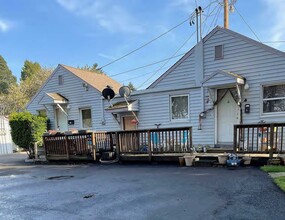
[{"x": 274, "y": 98}]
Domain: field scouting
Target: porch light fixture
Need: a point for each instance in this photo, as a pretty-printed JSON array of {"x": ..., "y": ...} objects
[{"x": 246, "y": 86}]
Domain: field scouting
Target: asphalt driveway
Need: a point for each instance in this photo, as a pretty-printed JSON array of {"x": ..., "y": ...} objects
[{"x": 92, "y": 191}]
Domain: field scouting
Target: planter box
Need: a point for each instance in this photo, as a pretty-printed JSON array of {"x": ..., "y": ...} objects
[{"x": 189, "y": 160}]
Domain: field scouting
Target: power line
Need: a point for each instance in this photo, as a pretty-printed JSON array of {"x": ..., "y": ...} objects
[
  {"x": 173, "y": 54},
  {"x": 147, "y": 65},
  {"x": 273, "y": 42},
  {"x": 145, "y": 44},
  {"x": 149, "y": 42},
  {"x": 247, "y": 24},
  {"x": 141, "y": 75},
  {"x": 167, "y": 60}
]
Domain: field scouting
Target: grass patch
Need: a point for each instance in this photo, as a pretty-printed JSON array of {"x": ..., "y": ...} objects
[
  {"x": 280, "y": 181},
  {"x": 272, "y": 168}
]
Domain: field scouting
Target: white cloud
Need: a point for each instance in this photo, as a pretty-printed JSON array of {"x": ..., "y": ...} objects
[
  {"x": 275, "y": 22},
  {"x": 109, "y": 57},
  {"x": 107, "y": 14},
  {"x": 4, "y": 26}
]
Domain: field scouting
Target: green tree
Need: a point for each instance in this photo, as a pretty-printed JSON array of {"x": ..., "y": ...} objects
[
  {"x": 93, "y": 68},
  {"x": 132, "y": 87},
  {"x": 27, "y": 129},
  {"x": 29, "y": 69},
  {"x": 6, "y": 77},
  {"x": 20, "y": 94}
]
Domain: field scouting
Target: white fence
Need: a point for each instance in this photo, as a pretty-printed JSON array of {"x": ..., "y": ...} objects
[{"x": 6, "y": 143}]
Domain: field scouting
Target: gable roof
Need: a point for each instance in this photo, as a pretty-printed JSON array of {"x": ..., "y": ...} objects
[
  {"x": 207, "y": 37},
  {"x": 98, "y": 80}
]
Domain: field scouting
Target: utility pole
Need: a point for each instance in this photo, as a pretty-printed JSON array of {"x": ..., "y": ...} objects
[{"x": 226, "y": 14}]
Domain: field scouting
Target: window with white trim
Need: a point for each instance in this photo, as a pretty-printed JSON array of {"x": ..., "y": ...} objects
[
  {"x": 86, "y": 119},
  {"x": 274, "y": 98},
  {"x": 179, "y": 107}
]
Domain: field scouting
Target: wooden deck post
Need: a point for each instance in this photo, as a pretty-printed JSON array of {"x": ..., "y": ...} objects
[
  {"x": 271, "y": 140},
  {"x": 66, "y": 146},
  {"x": 117, "y": 146},
  {"x": 94, "y": 146},
  {"x": 149, "y": 146},
  {"x": 190, "y": 136},
  {"x": 235, "y": 139}
]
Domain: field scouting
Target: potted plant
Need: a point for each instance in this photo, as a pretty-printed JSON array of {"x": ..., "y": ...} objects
[
  {"x": 222, "y": 158},
  {"x": 246, "y": 160},
  {"x": 189, "y": 158}
]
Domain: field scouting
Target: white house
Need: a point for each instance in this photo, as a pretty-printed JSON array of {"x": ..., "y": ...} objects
[
  {"x": 71, "y": 99},
  {"x": 225, "y": 79},
  {"x": 6, "y": 143}
]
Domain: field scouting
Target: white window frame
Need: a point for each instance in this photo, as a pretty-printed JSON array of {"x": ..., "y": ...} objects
[
  {"x": 81, "y": 119},
  {"x": 222, "y": 57},
  {"x": 170, "y": 109},
  {"x": 265, "y": 114}
]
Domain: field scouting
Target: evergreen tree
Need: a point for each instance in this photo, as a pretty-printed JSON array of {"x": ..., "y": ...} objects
[
  {"x": 93, "y": 68},
  {"x": 6, "y": 77},
  {"x": 29, "y": 69},
  {"x": 131, "y": 86}
]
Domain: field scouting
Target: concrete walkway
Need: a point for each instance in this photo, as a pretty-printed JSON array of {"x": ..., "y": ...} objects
[{"x": 276, "y": 174}]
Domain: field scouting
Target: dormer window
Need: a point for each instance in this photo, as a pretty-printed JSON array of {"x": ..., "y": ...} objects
[
  {"x": 219, "y": 53},
  {"x": 60, "y": 80}
]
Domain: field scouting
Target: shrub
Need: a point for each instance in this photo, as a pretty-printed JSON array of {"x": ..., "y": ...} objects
[{"x": 27, "y": 129}]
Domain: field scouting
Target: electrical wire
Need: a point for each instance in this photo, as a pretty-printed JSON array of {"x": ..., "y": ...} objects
[
  {"x": 145, "y": 44},
  {"x": 215, "y": 15},
  {"x": 154, "y": 39},
  {"x": 167, "y": 60},
  {"x": 247, "y": 24},
  {"x": 141, "y": 75},
  {"x": 172, "y": 56},
  {"x": 147, "y": 65}
]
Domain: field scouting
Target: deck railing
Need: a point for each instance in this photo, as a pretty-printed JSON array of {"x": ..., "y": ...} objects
[
  {"x": 84, "y": 146},
  {"x": 168, "y": 140},
  {"x": 259, "y": 138},
  {"x": 77, "y": 146}
]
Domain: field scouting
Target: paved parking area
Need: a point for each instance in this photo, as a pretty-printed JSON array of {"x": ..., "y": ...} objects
[{"x": 93, "y": 191}]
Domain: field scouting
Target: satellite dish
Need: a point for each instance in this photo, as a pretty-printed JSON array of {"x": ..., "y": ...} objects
[
  {"x": 108, "y": 93},
  {"x": 125, "y": 91}
]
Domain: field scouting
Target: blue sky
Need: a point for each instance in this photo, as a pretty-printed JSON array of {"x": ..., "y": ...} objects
[{"x": 79, "y": 32}]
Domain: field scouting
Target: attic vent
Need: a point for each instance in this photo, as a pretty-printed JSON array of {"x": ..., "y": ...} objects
[
  {"x": 60, "y": 80},
  {"x": 219, "y": 52}
]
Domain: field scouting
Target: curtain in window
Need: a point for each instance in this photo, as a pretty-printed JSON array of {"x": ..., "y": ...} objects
[{"x": 179, "y": 107}]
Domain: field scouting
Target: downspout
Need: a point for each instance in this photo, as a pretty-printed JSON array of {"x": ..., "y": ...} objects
[
  {"x": 239, "y": 103},
  {"x": 103, "y": 122}
]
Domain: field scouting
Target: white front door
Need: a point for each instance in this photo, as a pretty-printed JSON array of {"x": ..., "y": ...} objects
[
  {"x": 228, "y": 115},
  {"x": 61, "y": 119}
]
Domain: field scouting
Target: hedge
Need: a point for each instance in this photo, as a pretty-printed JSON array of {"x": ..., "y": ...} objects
[{"x": 26, "y": 129}]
